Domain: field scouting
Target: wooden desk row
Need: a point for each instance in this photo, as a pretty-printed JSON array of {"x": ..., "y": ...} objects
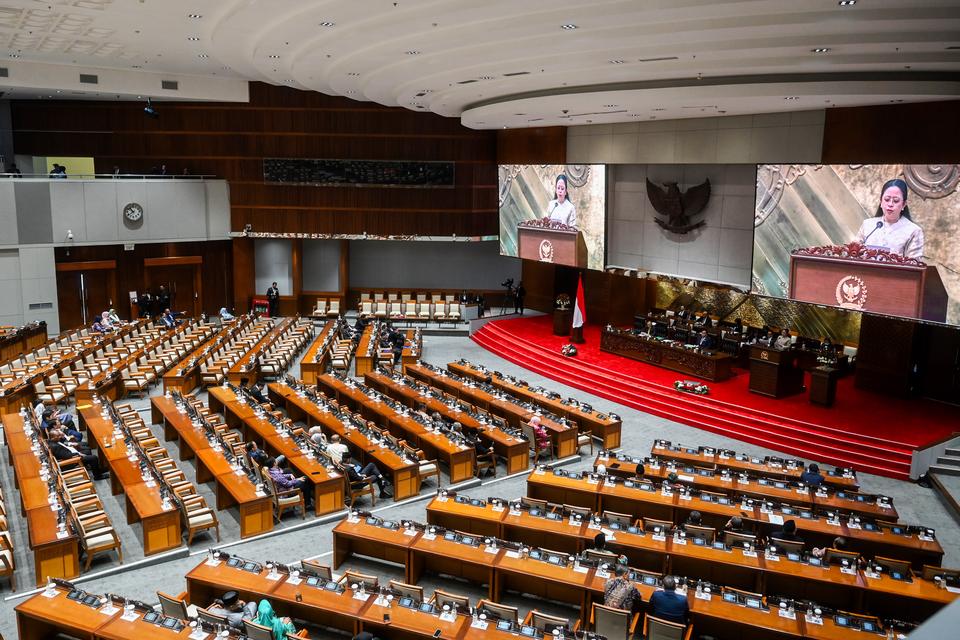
[
  {"x": 316, "y": 358},
  {"x": 248, "y": 367},
  {"x": 605, "y": 427},
  {"x": 54, "y": 554},
  {"x": 513, "y": 410},
  {"x": 233, "y": 488},
  {"x": 827, "y": 585},
  {"x": 185, "y": 377},
  {"x": 369, "y": 349},
  {"x": 507, "y": 570},
  {"x": 318, "y": 412},
  {"x": 730, "y": 460},
  {"x": 607, "y": 495},
  {"x": 514, "y": 450},
  {"x": 328, "y": 487},
  {"x": 160, "y": 524},
  {"x": 762, "y": 488},
  {"x": 709, "y": 365},
  {"x": 19, "y": 341}
]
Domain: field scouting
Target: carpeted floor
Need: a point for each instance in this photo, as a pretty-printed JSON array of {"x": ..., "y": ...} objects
[{"x": 909, "y": 422}]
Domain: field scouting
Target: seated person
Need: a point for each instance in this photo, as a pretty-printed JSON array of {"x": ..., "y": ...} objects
[
  {"x": 114, "y": 318},
  {"x": 255, "y": 453},
  {"x": 99, "y": 327},
  {"x": 600, "y": 544},
  {"x": 695, "y": 518},
  {"x": 787, "y": 532},
  {"x": 812, "y": 476},
  {"x": 735, "y": 525},
  {"x": 225, "y": 315},
  {"x": 356, "y": 473},
  {"x": 840, "y": 544},
  {"x": 168, "y": 319},
  {"x": 63, "y": 450},
  {"x": 235, "y": 610},
  {"x": 317, "y": 436},
  {"x": 620, "y": 593},
  {"x": 279, "y": 627},
  {"x": 668, "y": 604},
  {"x": 337, "y": 450},
  {"x": 286, "y": 481},
  {"x": 254, "y": 390},
  {"x": 783, "y": 341},
  {"x": 705, "y": 341},
  {"x": 53, "y": 419},
  {"x": 540, "y": 433}
]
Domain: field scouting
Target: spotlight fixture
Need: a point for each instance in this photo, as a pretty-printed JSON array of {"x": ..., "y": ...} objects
[
  {"x": 150, "y": 111},
  {"x": 203, "y": 55},
  {"x": 327, "y": 24},
  {"x": 847, "y": 3},
  {"x": 193, "y": 38},
  {"x": 568, "y": 27},
  {"x": 820, "y": 50},
  {"x": 195, "y": 16},
  {"x": 617, "y": 61},
  {"x": 412, "y": 52},
  {"x": 274, "y": 56},
  {"x": 792, "y": 98}
]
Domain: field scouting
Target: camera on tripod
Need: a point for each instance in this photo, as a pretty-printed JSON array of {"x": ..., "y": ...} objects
[{"x": 508, "y": 283}]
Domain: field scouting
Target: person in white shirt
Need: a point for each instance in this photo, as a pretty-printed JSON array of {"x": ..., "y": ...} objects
[
  {"x": 892, "y": 228},
  {"x": 784, "y": 341},
  {"x": 560, "y": 209},
  {"x": 337, "y": 449}
]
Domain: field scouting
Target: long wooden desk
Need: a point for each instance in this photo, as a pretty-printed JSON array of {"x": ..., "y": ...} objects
[
  {"x": 160, "y": 527},
  {"x": 792, "y": 471},
  {"x": 603, "y": 426},
  {"x": 55, "y": 554},
  {"x": 563, "y": 437},
  {"x": 184, "y": 377},
  {"x": 317, "y": 356},
  {"x": 41, "y": 616},
  {"x": 515, "y": 451},
  {"x": 761, "y": 488},
  {"x": 247, "y": 367},
  {"x": 653, "y": 504},
  {"x": 713, "y": 366},
  {"x": 19, "y": 341},
  {"x": 328, "y": 487},
  {"x": 233, "y": 488},
  {"x": 404, "y": 473}
]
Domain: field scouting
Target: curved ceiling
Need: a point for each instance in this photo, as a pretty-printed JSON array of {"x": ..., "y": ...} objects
[{"x": 519, "y": 63}]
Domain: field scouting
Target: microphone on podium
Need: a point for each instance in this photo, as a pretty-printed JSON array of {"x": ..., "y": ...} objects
[{"x": 879, "y": 224}]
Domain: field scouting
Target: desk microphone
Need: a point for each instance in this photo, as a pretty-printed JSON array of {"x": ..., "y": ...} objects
[{"x": 879, "y": 224}]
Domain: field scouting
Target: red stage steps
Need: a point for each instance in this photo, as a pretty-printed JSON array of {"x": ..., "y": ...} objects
[{"x": 781, "y": 433}]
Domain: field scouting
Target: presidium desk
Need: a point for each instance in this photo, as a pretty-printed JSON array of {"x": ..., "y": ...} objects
[{"x": 708, "y": 365}]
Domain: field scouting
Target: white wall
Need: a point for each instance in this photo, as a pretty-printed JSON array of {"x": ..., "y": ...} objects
[
  {"x": 273, "y": 259},
  {"x": 767, "y": 137},
  {"x": 321, "y": 265},
  {"x": 720, "y": 251},
  {"x": 28, "y": 287},
  {"x": 425, "y": 264}
]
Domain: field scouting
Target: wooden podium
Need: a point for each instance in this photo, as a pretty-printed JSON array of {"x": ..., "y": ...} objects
[
  {"x": 864, "y": 279},
  {"x": 775, "y": 373},
  {"x": 546, "y": 244}
]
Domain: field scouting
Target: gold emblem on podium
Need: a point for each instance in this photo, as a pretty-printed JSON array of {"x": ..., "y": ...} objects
[
  {"x": 764, "y": 355},
  {"x": 851, "y": 292},
  {"x": 546, "y": 251}
]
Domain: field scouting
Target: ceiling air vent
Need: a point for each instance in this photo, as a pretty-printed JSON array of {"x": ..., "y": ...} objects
[
  {"x": 466, "y": 81},
  {"x": 4, "y": 72},
  {"x": 170, "y": 85},
  {"x": 516, "y": 73},
  {"x": 657, "y": 59},
  {"x": 89, "y": 78}
]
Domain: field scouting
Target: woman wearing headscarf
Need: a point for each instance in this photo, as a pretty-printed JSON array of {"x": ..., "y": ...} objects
[
  {"x": 894, "y": 231},
  {"x": 266, "y": 617}
]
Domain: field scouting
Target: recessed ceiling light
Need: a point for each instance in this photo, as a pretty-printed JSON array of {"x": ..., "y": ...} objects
[
  {"x": 195, "y": 16},
  {"x": 569, "y": 26},
  {"x": 327, "y": 24},
  {"x": 203, "y": 55},
  {"x": 353, "y": 73},
  {"x": 136, "y": 66},
  {"x": 412, "y": 52},
  {"x": 274, "y": 56},
  {"x": 847, "y": 3},
  {"x": 617, "y": 61},
  {"x": 792, "y": 98},
  {"x": 609, "y": 106},
  {"x": 659, "y": 109},
  {"x": 897, "y": 100},
  {"x": 487, "y": 78},
  {"x": 14, "y": 55},
  {"x": 820, "y": 50},
  {"x": 193, "y": 38}
]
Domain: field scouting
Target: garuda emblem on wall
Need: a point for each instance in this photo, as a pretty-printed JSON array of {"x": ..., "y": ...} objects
[{"x": 679, "y": 207}]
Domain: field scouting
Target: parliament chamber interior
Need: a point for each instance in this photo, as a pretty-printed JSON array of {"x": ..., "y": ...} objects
[{"x": 414, "y": 320}]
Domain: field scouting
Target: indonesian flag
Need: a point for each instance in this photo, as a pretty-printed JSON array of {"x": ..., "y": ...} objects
[{"x": 579, "y": 317}]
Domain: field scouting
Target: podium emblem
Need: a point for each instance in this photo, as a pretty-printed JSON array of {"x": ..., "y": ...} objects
[
  {"x": 764, "y": 355},
  {"x": 851, "y": 293},
  {"x": 546, "y": 251}
]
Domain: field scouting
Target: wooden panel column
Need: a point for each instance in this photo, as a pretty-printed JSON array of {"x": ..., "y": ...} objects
[{"x": 244, "y": 275}]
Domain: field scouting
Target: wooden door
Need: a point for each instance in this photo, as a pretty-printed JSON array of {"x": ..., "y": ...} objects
[
  {"x": 84, "y": 291},
  {"x": 181, "y": 277}
]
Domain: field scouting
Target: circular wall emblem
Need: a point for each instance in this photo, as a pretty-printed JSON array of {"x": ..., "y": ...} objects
[
  {"x": 851, "y": 292},
  {"x": 546, "y": 251}
]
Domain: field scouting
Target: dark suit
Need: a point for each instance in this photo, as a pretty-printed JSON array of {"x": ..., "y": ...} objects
[
  {"x": 90, "y": 460},
  {"x": 670, "y": 605},
  {"x": 812, "y": 479},
  {"x": 705, "y": 342},
  {"x": 273, "y": 298}
]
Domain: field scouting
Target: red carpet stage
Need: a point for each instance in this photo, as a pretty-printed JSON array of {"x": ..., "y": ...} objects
[{"x": 864, "y": 430}]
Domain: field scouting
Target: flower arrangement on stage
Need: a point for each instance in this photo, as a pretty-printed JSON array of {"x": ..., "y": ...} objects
[
  {"x": 691, "y": 386},
  {"x": 568, "y": 350},
  {"x": 563, "y": 302}
]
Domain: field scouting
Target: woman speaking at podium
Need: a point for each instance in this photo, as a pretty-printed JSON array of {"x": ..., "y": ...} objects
[
  {"x": 892, "y": 228},
  {"x": 560, "y": 209}
]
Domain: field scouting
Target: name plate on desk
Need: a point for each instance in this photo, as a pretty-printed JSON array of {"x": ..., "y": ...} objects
[
  {"x": 449, "y": 616},
  {"x": 679, "y": 541},
  {"x": 582, "y": 569},
  {"x": 813, "y": 620},
  {"x": 294, "y": 580},
  {"x": 686, "y": 496},
  {"x": 489, "y": 549},
  {"x": 442, "y": 498},
  {"x": 273, "y": 576},
  {"x": 429, "y": 536},
  {"x": 212, "y": 562},
  {"x": 515, "y": 513},
  {"x": 50, "y": 593},
  {"x": 538, "y": 472},
  {"x": 775, "y": 518},
  {"x": 749, "y": 554},
  {"x": 703, "y": 595},
  {"x": 872, "y": 575},
  {"x": 109, "y": 610},
  {"x": 479, "y": 624},
  {"x": 850, "y": 571},
  {"x": 513, "y": 554},
  {"x": 353, "y": 520},
  {"x": 199, "y": 634},
  {"x": 361, "y": 596},
  {"x": 789, "y": 615},
  {"x": 409, "y": 532},
  {"x": 770, "y": 558},
  {"x": 660, "y": 538},
  {"x": 130, "y": 616},
  {"x": 62, "y": 534}
]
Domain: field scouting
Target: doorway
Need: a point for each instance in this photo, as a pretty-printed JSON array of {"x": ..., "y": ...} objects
[
  {"x": 84, "y": 291},
  {"x": 182, "y": 278}
]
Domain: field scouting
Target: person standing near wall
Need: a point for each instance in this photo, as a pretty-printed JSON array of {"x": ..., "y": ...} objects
[{"x": 273, "y": 299}]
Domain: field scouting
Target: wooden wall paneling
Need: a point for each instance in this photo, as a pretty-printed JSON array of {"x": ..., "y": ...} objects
[
  {"x": 231, "y": 141},
  {"x": 539, "y": 145},
  {"x": 937, "y": 357},
  {"x": 884, "y": 355},
  {"x": 920, "y": 133},
  {"x": 539, "y": 279}
]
